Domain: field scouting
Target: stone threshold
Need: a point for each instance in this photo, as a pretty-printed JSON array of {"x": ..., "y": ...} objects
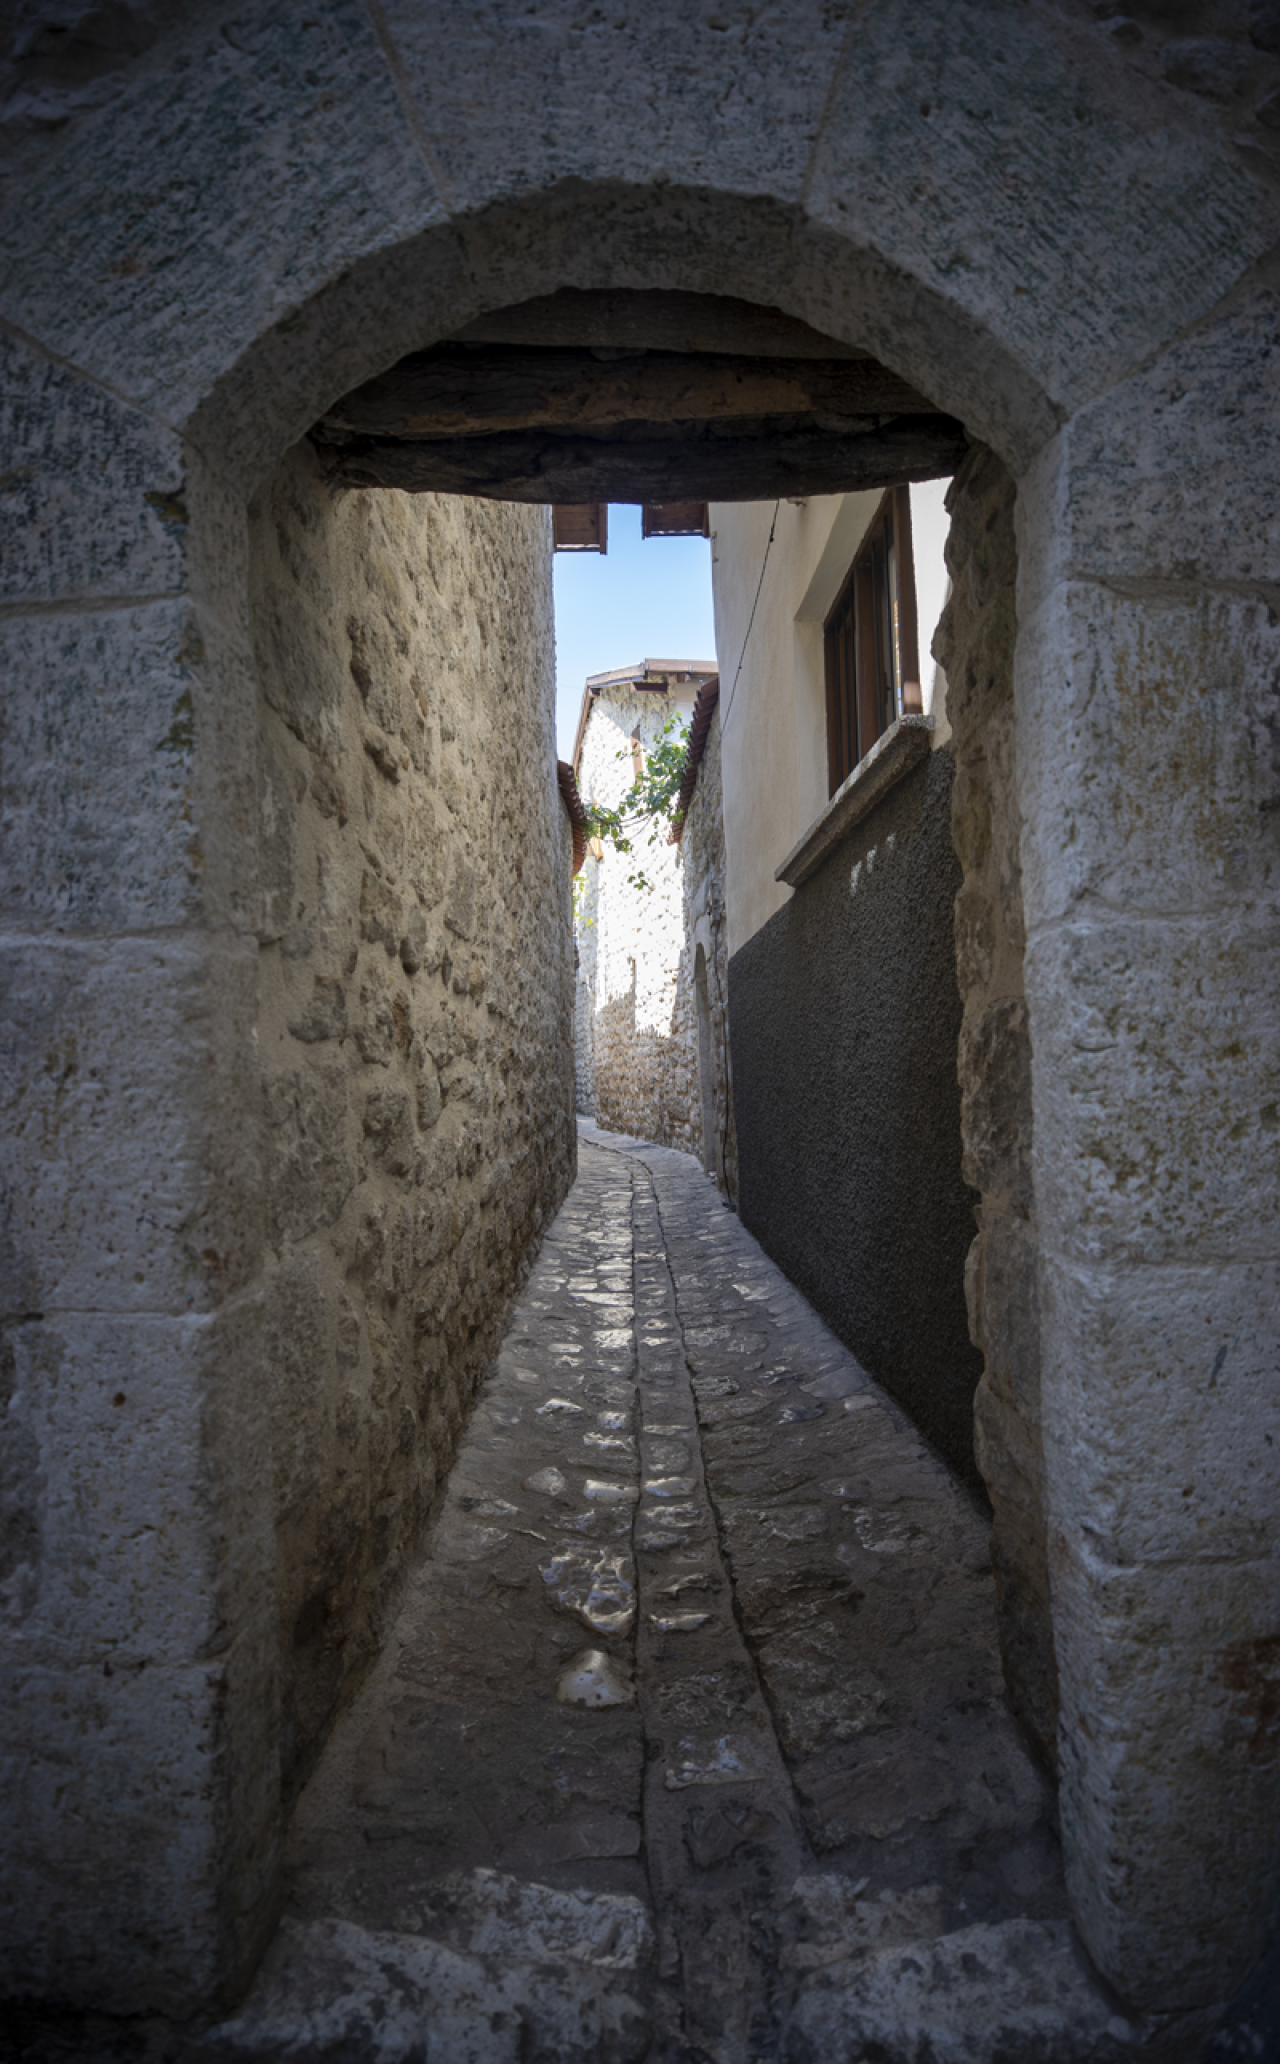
[{"x": 902, "y": 746}]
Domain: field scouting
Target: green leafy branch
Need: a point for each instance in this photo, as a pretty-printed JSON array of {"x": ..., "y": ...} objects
[{"x": 650, "y": 800}]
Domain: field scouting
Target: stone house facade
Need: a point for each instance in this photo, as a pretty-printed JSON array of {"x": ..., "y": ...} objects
[{"x": 634, "y": 1022}]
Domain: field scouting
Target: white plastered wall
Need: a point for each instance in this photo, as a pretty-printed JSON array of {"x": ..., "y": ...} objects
[{"x": 773, "y": 696}]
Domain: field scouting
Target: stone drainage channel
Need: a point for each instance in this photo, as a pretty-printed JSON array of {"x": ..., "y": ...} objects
[{"x": 689, "y": 1741}]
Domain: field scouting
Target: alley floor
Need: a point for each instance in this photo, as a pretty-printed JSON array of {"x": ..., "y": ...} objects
[
  {"x": 690, "y": 1736},
  {"x": 689, "y": 1741}
]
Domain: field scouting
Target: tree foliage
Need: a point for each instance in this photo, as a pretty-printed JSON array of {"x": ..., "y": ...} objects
[{"x": 650, "y": 802}]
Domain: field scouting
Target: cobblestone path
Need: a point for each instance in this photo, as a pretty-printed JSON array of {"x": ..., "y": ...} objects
[{"x": 689, "y": 1740}]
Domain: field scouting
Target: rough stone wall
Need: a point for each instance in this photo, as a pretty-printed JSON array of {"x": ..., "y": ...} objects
[
  {"x": 975, "y": 645},
  {"x": 702, "y": 855},
  {"x": 416, "y": 984},
  {"x": 583, "y": 1071},
  {"x": 643, "y": 1056}
]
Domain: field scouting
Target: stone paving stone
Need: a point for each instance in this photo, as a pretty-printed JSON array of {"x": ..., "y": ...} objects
[{"x": 689, "y": 1741}]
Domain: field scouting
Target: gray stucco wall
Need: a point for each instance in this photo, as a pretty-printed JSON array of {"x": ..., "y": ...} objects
[{"x": 845, "y": 1016}]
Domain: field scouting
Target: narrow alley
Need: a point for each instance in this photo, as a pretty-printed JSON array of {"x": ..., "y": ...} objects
[{"x": 689, "y": 1741}]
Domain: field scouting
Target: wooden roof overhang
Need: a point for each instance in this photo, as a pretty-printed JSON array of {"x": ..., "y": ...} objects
[
  {"x": 637, "y": 397},
  {"x": 704, "y": 708},
  {"x": 568, "y": 784}
]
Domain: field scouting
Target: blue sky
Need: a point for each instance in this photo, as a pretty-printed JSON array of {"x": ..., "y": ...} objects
[{"x": 645, "y": 599}]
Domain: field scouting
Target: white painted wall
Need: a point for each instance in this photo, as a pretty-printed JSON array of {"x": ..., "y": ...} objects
[{"x": 772, "y": 694}]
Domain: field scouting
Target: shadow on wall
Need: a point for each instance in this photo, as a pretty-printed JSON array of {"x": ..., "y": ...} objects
[
  {"x": 846, "y": 1016},
  {"x": 417, "y": 1090},
  {"x": 643, "y": 1080}
]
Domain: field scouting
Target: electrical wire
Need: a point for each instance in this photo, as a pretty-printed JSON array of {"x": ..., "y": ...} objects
[{"x": 751, "y": 619}]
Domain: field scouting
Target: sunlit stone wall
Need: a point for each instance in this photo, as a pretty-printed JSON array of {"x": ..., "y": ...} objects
[
  {"x": 643, "y": 1055},
  {"x": 416, "y": 983}
]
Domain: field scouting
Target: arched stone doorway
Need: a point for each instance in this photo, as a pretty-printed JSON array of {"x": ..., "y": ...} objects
[{"x": 1070, "y": 256}]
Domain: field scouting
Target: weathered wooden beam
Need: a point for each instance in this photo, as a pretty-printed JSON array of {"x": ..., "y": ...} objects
[
  {"x": 753, "y": 460},
  {"x": 643, "y": 319},
  {"x": 474, "y": 390}
]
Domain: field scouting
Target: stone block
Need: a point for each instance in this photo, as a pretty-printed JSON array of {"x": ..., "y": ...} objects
[
  {"x": 311, "y": 1164},
  {"x": 429, "y": 1102},
  {"x": 281, "y": 787},
  {"x": 995, "y": 1101},
  {"x": 298, "y": 1349},
  {"x": 1008, "y": 1451},
  {"x": 460, "y": 908},
  {"x": 1022, "y": 1978},
  {"x": 92, "y": 498},
  {"x": 381, "y": 1023},
  {"x": 1010, "y": 1253},
  {"x": 381, "y": 912},
  {"x": 21, "y": 1491},
  {"x": 100, "y": 726},
  {"x": 303, "y": 675},
  {"x": 379, "y": 650},
  {"x": 1157, "y": 1090},
  {"x": 153, "y": 1514},
  {"x": 1148, "y": 759},
  {"x": 323, "y": 1016},
  {"x": 1168, "y": 476},
  {"x": 1190, "y": 1351},
  {"x": 296, "y": 159},
  {"x": 1019, "y": 1564},
  {"x": 126, "y": 1088},
  {"x": 475, "y": 71},
  {"x": 1073, "y": 289},
  {"x": 1214, "y": 66},
  {"x": 1170, "y": 1767},
  {"x": 111, "y": 1898}
]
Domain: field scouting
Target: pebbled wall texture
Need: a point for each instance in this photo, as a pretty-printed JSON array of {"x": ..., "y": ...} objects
[
  {"x": 846, "y": 1019},
  {"x": 413, "y": 991},
  {"x": 1063, "y": 229}
]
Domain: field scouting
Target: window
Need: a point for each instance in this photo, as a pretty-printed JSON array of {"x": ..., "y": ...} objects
[
  {"x": 870, "y": 640},
  {"x": 675, "y": 519},
  {"x": 580, "y": 526}
]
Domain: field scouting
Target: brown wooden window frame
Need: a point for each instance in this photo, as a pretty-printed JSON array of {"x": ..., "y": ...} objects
[
  {"x": 580, "y": 526},
  {"x": 675, "y": 519},
  {"x": 870, "y": 640}
]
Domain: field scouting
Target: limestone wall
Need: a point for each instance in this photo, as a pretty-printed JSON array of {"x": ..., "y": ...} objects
[
  {"x": 416, "y": 984},
  {"x": 702, "y": 858},
  {"x": 975, "y": 645},
  {"x": 643, "y": 1057},
  {"x": 583, "y": 1071}
]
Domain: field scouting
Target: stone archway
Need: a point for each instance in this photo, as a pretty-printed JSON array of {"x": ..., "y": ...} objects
[{"x": 1069, "y": 256}]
